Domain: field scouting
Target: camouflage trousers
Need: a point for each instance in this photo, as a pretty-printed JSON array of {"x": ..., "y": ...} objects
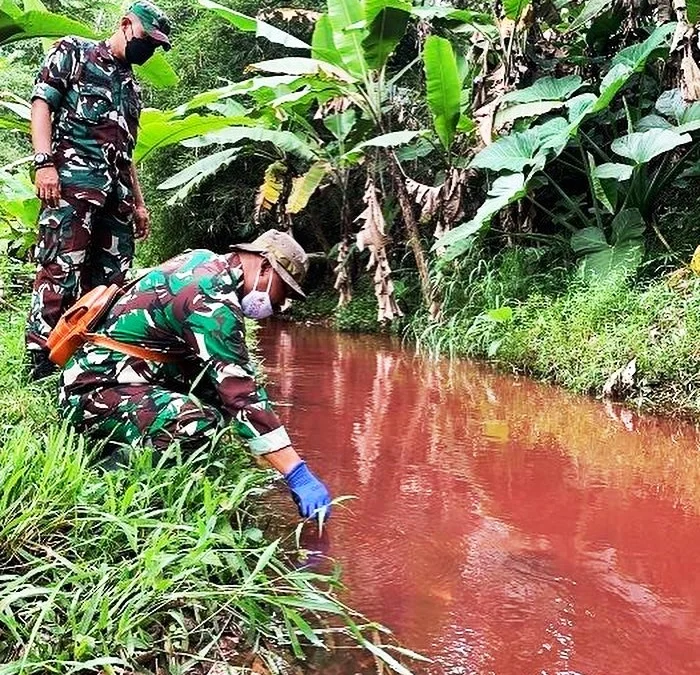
[
  {"x": 81, "y": 245},
  {"x": 148, "y": 413}
]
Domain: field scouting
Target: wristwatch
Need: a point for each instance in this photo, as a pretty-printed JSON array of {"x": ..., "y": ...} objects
[{"x": 42, "y": 159}]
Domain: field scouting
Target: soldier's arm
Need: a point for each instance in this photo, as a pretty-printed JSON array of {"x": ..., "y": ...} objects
[
  {"x": 214, "y": 329},
  {"x": 138, "y": 194},
  {"x": 46, "y": 183}
]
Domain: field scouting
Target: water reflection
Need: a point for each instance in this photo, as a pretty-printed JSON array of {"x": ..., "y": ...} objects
[{"x": 502, "y": 526}]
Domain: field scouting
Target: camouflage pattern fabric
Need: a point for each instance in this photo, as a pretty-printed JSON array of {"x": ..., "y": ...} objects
[
  {"x": 188, "y": 307},
  {"x": 96, "y": 104},
  {"x": 88, "y": 239},
  {"x": 81, "y": 246}
]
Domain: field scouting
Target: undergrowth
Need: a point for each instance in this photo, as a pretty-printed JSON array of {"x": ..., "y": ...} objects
[
  {"x": 526, "y": 317},
  {"x": 151, "y": 565}
]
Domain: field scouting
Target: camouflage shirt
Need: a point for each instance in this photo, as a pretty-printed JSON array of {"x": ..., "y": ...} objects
[
  {"x": 187, "y": 306},
  {"x": 96, "y": 104}
]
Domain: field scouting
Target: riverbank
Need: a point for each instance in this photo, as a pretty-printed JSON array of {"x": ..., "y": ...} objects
[
  {"x": 158, "y": 565},
  {"x": 556, "y": 328}
]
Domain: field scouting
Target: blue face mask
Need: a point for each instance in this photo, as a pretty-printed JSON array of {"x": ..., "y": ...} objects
[{"x": 257, "y": 304}]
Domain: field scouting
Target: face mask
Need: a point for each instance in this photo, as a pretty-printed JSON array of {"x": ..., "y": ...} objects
[
  {"x": 257, "y": 304},
  {"x": 139, "y": 49}
]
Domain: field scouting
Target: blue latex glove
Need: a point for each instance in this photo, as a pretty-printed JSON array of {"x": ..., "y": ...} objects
[{"x": 308, "y": 492}]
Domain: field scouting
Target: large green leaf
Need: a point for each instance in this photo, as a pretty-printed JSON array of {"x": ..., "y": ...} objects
[
  {"x": 348, "y": 41},
  {"x": 614, "y": 80},
  {"x": 671, "y": 104},
  {"x": 601, "y": 259},
  {"x": 386, "y": 25},
  {"x": 635, "y": 56},
  {"x": 284, "y": 140},
  {"x": 619, "y": 172},
  {"x": 159, "y": 129},
  {"x": 158, "y": 72},
  {"x": 546, "y": 89},
  {"x": 390, "y": 140},
  {"x": 241, "y": 88},
  {"x": 251, "y": 25},
  {"x": 322, "y": 45},
  {"x": 521, "y": 110},
  {"x": 340, "y": 124},
  {"x": 40, "y": 24},
  {"x": 504, "y": 191},
  {"x": 515, "y": 8},
  {"x": 193, "y": 175},
  {"x": 443, "y": 86},
  {"x": 643, "y": 146},
  {"x": 524, "y": 148},
  {"x": 590, "y": 11},
  {"x": 299, "y": 66}
]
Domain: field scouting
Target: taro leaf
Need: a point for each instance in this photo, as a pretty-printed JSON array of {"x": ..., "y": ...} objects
[
  {"x": 614, "y": 80},
  {"x": 342, "y": 14},
  {"x": 627, "y": 225},
  {"x": 590, "y": 11},
  {"x": 193, "y": 175},
  {"x": 601, "y": 259},
  {"x": 443, "y": 86},
  {"x": 635, "y": 56},
  {"x": 510, "y": 153},
  {"x": 653, "y": 122},
  {"x": 386, "y": 25},
  {"x": 687, "y": 127},
  {"x": 535, "y": 109},
  {"x": 620, "y": 172},
  {"x": 514, "y": 8},
  {"x": 671, "y": 104},
  {"x": 251, "y": 25},
  {"x": 691, "y": 113},
  {"x": 579, "y": 106},
  {"x": 524, "y": 148},
  {"x": 504, "y": 191},
  {"x": 304, "y": 186},
  {"x": 296, "y": 65},
  {"x": 546, "y": 89},
  {"x": 643, "y": 146}
]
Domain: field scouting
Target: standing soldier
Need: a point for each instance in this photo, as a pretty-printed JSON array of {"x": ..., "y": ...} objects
[
  {"x": 190, "y": 310},
  {"x": 85, "y": 112}
]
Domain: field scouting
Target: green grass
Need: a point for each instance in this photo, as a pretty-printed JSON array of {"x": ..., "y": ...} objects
[
  {"x": 148, "y": 566},
  {"x": 551, "y": 325}
]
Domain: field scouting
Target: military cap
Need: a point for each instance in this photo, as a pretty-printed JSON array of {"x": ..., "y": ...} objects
[
  {"x": 153, "y": 20},
  {"x": 285, "y": 255}
]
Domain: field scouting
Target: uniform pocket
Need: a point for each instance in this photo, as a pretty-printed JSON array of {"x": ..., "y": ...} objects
[{"x": 94, "y": 103}]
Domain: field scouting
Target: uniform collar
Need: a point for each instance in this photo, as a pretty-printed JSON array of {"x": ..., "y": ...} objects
[{"x": 105, "y": 51}]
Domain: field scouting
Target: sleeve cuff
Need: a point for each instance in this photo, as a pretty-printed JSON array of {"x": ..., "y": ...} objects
[
  {"x": 48, "y": 93},
  {"x": 270, "y": 442}
]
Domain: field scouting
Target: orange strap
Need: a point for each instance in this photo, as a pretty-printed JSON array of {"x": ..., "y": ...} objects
[{"x": 130, "y": 350}]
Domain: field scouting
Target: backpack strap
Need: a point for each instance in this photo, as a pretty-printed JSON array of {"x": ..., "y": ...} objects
[{"x": 130, "y": 350}]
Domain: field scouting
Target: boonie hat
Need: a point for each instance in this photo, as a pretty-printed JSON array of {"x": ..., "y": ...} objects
[
  {"x": 285, "y": 255},
  {"x": 154, "y": 21}
]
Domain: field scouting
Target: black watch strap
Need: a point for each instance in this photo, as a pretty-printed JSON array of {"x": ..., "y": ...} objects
[{"x": 42, "y": 159}]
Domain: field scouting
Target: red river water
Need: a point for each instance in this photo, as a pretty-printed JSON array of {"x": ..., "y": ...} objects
[{"x": 501, "y": 526}]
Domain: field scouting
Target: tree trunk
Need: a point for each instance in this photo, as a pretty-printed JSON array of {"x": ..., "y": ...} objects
[{"x": 413, "y": 235}]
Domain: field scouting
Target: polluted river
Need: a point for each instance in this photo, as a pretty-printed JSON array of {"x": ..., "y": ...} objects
[{"x": 501, "y": 525}]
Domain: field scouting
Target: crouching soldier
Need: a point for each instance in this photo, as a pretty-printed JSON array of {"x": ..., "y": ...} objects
[{"x": 191, "y": 309}]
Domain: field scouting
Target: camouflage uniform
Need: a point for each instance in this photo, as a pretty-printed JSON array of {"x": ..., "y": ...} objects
[
  {"x": 88, "y": 239},
  {"x": 188, "y": 307}
]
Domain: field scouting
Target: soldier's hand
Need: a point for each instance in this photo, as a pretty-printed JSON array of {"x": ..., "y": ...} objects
[
  {"x": 48, "y": 187},
  {"x": 142, "y": 222}
]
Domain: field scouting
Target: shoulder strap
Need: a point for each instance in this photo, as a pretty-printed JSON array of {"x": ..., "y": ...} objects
[{"x": 130, "y": 350}]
